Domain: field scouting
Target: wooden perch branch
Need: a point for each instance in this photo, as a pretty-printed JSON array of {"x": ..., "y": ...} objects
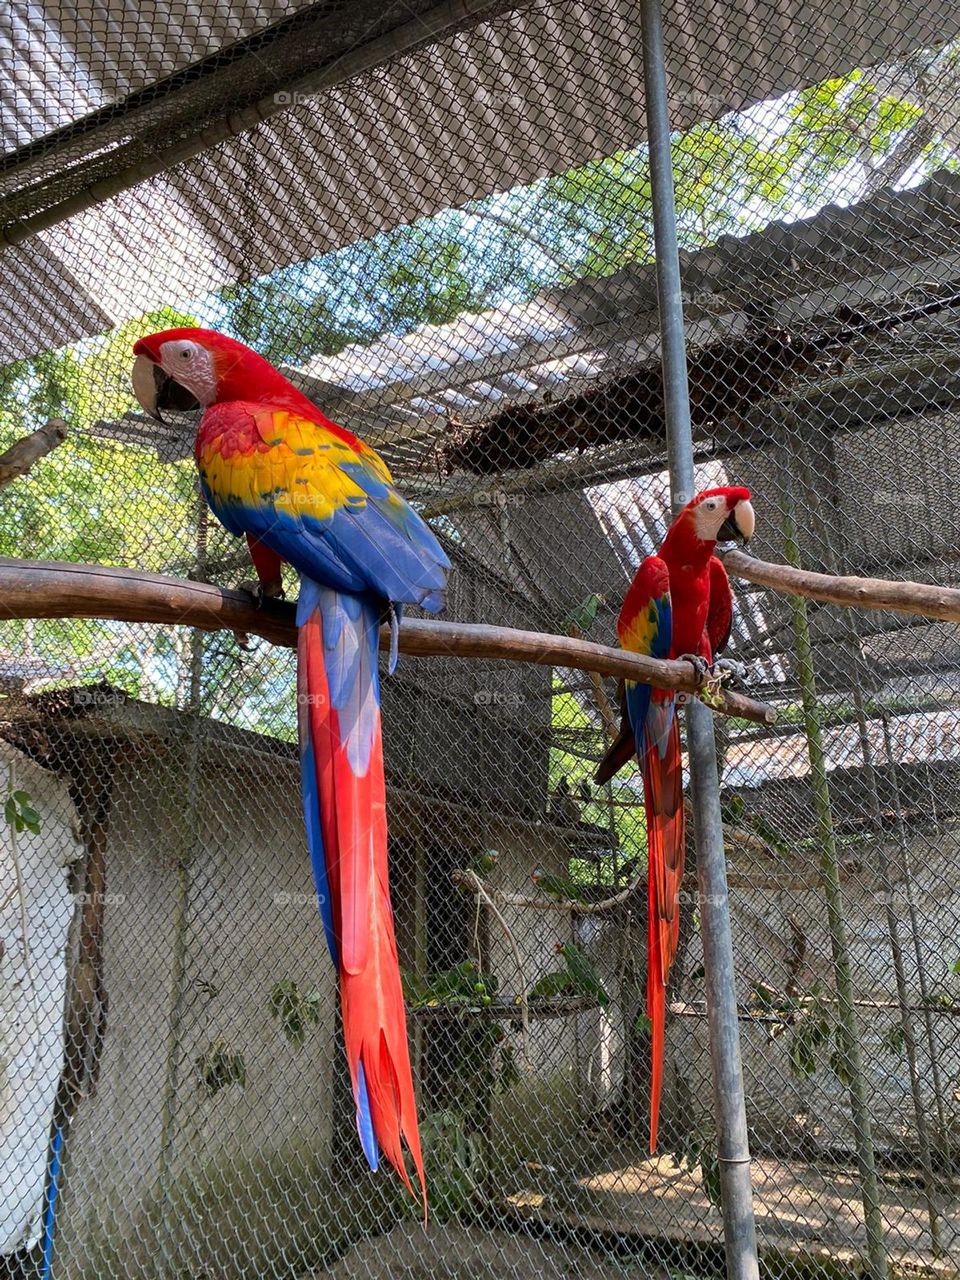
[
  {"x": 849, "y": 592},
  {"x": 23, "y": 453},
  {"x": 48, "y": 589}
]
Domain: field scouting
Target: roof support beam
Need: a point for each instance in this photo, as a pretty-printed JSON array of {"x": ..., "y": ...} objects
[{"x": 341, "y": 65}]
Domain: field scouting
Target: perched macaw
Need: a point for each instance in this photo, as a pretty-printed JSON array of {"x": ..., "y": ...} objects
[
  {"x": 678, "y": 605},
  {"x": 306, "y": 491}
]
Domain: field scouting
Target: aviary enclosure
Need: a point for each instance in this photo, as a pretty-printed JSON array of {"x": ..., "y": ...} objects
[{"x": 447, "y": 224}]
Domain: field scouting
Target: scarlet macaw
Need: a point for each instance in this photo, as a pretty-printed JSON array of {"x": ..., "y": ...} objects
[
  {"x": 308, "y": 492},
  {"x": 678, "y": 605}
]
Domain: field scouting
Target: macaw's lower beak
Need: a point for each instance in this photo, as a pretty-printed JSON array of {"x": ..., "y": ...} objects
[
  {"x": 157, "y": 391},
  {"x": 739, "y": 524}
]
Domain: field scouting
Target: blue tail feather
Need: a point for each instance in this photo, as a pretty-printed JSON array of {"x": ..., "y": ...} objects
[
  {"x": 368, "y": 1139},
  {"x": 311, "y": 820}
]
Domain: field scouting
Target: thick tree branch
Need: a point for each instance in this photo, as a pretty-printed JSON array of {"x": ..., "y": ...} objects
[
  {"x": 23, "y": 453},
  {"x": 48, "y": 589},
  {"x": 848, "y": 592}
]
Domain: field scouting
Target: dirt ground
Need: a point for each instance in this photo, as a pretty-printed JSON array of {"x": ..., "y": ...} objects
[
  {"x": 804, "y": 1209},
  {"x": 451, "y": 1252}
]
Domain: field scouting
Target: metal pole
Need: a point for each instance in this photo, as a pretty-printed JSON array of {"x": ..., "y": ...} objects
[{"x": 739, "y": 1228}]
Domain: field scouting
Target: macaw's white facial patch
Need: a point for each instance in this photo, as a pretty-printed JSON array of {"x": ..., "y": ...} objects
[
  {"x": 192, "y": 366},
  {"x": 708, "y": 515}
]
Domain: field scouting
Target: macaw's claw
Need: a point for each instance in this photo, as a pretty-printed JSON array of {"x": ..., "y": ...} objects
[
  {"x": 259, "y": 593},
  {"x": 730, "y": 672},
  {"x": 700, "y": 665},
  {"x": 262, "y": 592}
]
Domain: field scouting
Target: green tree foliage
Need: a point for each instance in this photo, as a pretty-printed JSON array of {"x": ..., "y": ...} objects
[
  {"x": 786, "y": 159},
  {"x": 91, "y": 498},
  {"x": 19, "y": 812},
  {"x": 428, "y": 273},
  {"x": 96, "y": 499},
  {"x": 576, "y": 744}
]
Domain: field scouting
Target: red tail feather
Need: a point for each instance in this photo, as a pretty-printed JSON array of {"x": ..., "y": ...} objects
[
  {"x": 354, "y": 828},
  {"x": 663, "y": 792}
]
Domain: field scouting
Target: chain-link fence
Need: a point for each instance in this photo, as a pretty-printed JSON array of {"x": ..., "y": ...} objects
[{"x": 436, "y": 219}]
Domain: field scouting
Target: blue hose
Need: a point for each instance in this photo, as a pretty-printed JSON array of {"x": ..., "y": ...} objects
[{"x": 50, "y": 1207}]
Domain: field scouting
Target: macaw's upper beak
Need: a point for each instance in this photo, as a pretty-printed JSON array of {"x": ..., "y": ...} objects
[
  {"x": 157, "y": 391},
  {"x": 739, "y": 524}
]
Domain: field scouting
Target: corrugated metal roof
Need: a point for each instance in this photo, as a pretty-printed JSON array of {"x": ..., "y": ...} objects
[
  {"x": 530, "y": 93},
  {"x": 399, "y": 392},
  {"x": 61, "y": 62},
  {"x": 921, "y": 737}
]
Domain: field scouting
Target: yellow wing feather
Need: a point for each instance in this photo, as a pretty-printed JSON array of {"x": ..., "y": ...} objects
[
  {"x": 639, "y": 633},
  {"x": 289, "y": 463}
]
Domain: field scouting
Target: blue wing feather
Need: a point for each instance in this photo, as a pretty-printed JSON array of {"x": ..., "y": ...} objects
[
  {"x": 357, "y": 549},
  {"x": 346, "y": 527}
]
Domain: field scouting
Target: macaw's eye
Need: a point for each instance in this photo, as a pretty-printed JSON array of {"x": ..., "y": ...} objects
[{"x": 180, "y": 353}]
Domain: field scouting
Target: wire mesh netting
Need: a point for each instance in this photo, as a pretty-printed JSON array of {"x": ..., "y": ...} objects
[{"x": 436, "y": 220}]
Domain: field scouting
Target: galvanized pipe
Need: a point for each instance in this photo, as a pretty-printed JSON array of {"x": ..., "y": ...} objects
[{"x": 739, "y": 1228}]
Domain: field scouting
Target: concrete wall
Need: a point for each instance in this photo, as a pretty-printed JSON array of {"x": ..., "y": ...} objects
[
  {"x": 236, "y": 915},
  {"x": 210, "y": 902},
  {"x": 769, "y": 900},
  {"x": 31, "y": 987},
  {"x": 535, "y": 934},
  {"x": 762, "y": 938}
]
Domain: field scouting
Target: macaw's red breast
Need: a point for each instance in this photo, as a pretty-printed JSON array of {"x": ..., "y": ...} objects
[
  {"x": 232, "y": 429},
  {"x": 243, "y": 428}
]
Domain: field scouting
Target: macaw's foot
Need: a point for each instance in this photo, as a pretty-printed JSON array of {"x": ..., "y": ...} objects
[
  {"x": 700, "y": 665},
  {"x": 259, "y": 593},
  {"x": 709, "y": 680},
  {"x": 263, "y": 591},
  {"x": 729, "y": 672}
]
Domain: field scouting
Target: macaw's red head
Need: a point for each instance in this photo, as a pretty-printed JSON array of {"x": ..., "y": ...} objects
[
  {"x": 717, "y": 515},
  {"x": 183, "y": 369}
]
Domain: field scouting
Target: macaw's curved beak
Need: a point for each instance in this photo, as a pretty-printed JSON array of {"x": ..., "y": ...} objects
[
  {"x": 157, "y": 391},
  {"x": 739, "y": 524}
]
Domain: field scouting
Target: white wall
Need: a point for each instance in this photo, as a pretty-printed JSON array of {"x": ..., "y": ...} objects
[
  {"x": 32, "y": 979},
  {"x": 250, "y": 920}
]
